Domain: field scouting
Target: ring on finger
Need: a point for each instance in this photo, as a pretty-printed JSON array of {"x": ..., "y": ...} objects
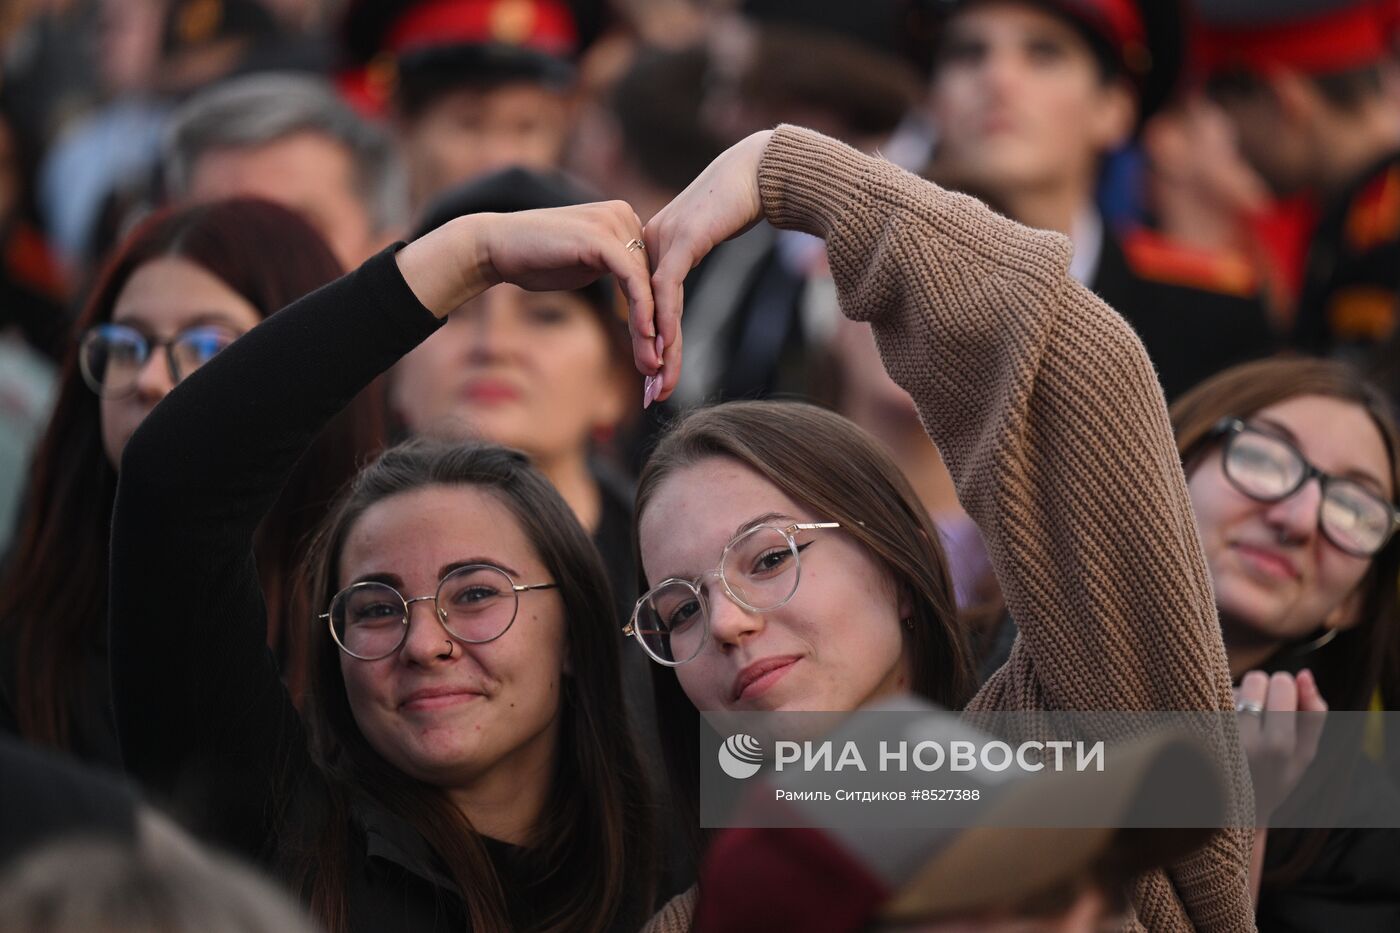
[
  {"x": 636, "y": 243},
  {"x": 1250, "y": 707}
]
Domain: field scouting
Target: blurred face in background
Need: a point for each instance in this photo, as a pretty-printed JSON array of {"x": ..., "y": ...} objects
[
  {"x": 1020, "y": 101},
  {"x": 164, "y": 298},
  {"x": 1194, "y": 153},
  {"x": 1271, "y": 136},
  {"x": 1277, "y": 577},
  {"x": 469, "y": 132},
  {"x": 531, "y": 370},
  {"x": 308, "y": 172},
  {"x": 128, "y": 43}
]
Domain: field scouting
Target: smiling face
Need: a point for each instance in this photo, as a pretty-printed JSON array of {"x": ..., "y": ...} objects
[
  {"x": 836, "y": 645},
  {"x": 1020, "y": 101},
  {"x": 441, "y": 711},
  {"x": 1277, "y": 577},
  {"x": 162, "y": 298},
  {"x": 530, "y": 370}
]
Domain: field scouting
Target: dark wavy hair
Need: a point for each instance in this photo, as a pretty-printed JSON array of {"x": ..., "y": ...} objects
[
  {"x": 596, "y": 829},
  {"x": 53, "y": 597}
]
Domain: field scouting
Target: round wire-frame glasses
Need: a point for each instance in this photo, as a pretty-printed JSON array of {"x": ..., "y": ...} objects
[
  {"x": 759, "y": 570},
  {"x": 475, "y": 604}
]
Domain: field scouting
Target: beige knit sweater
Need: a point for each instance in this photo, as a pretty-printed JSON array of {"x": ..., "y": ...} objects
[{"x": 1050, "y": 418}]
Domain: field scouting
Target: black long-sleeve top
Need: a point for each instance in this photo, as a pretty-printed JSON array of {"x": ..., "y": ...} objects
[{"x": 205, "y": 722}]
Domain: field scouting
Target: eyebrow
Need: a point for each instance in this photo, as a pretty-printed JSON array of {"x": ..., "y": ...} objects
[
  {"x": 1356, "y": 474},
  {"x": 203, "y": 319},
  {"x": 396, "y": 581},
  {"x": 445, "y": 569},
  {"x": 760, "y": 520}
]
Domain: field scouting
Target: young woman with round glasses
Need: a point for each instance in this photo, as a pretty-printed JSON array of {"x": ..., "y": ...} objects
[
  {"x": 1293, "y": 467},
  {"x": 1053, "y": 426},
  {"x": 460, "y": 764},
  {"x": 183, "y": 286}
]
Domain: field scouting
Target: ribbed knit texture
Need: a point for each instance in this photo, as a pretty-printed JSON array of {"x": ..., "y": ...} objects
[
  {"x": 676, "y": 915},
  {"x": 1049, "y": 417}
]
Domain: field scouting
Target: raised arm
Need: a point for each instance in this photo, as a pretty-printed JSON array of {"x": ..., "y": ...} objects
[
  {"x": 203, "y": 717},
  {"x": 1049, "y": 416},
  {"x": 1039, "y": 397}
]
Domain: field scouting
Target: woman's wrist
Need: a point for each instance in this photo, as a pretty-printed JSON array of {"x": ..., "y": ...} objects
[{"x": 449, "y": 266}]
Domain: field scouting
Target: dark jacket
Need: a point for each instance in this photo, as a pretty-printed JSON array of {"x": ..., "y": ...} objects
[
  {"x": 44, "y": 797},
  {"x": 1353, "y": 883},
  {"x": 1351, "y": 287},
  {"x": 205, "y": 722},
  {"x": 1192, "y": 324}
]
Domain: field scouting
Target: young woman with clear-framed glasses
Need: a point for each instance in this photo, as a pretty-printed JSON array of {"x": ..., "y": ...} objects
[
  {"x": 182, "y": 287},
  {"x": 1053, "y": 426},
  {"x": 463, "y": 761}
]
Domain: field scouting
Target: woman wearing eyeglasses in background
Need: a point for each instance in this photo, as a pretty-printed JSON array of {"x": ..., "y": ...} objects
[
  {"x": 460, "y": 764},
  {"x": 1293, "y": 468},
  {"x": 183, "y": 286},
  {"x": 1052, "y": 424}
]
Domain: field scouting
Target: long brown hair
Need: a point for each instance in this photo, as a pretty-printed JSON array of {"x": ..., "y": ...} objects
[
  {"x": 53, "y": 598},
  {"x": 842, "y": 474},
  {"x": 1365, "y": 659},
  {"x": 596, "y": 826},
  {"x": 1359, "y": 661}
]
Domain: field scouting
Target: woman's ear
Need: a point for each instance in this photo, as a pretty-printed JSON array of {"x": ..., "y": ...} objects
[{"x": 906, "y": 602}]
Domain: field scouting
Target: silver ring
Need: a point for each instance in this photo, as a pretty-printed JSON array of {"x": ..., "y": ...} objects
[
  {"x": 1253, "y": 709},
  {"x": 636, "y": 243}
]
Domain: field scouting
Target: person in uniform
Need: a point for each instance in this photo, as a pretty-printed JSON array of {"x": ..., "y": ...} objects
[
  {"x": 1305, "y": 84},
  {"x": 471, "y": 86},
  {"x": 1028, "y": 98}
]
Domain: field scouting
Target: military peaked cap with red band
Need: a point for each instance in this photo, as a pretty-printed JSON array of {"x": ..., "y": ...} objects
[
  {"x": 1313, "y": 36},
  {"x": 478, "y": 39},
  {"x": 1144, "y": 39},
  {"x": 373, "y": 27}
]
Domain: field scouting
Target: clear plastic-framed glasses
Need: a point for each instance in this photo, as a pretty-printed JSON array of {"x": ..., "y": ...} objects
[
  {"x": 476, "y": 604},
  {"x": 112, "y": 356},
  {"x": 759, "y": 570},
  {"x": 1267, "y": 468}
]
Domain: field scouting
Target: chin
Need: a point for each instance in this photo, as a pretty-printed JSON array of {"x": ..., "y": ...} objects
[
  {"x": 445, "y": 762},
  {"x": 1249, "y": 609}
]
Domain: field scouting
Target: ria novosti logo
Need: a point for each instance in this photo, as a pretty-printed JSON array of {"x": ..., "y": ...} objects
[{"x": 741, "y": 756}]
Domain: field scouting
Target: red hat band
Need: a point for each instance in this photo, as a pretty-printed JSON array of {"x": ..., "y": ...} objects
[
  {"x": 1328, "y": 42},
  {"x": 537, "y": 24}
]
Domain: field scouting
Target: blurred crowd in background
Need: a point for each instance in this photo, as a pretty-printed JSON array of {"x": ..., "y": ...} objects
[{"x": 1224, "y": 217}]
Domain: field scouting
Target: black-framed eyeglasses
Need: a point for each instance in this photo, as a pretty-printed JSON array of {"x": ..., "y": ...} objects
[
  {"x": 759, "y": 569},
  {"x": 111, "y": 356},
  {"x": 1268, "y": 468},
  {"x": 476, "y": 604}
]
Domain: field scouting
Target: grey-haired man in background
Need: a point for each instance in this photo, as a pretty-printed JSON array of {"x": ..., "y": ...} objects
[{"x": 291, "y": 139}]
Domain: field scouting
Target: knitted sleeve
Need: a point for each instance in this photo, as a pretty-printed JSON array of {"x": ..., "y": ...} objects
[{"x": 1050, "y": 418}]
